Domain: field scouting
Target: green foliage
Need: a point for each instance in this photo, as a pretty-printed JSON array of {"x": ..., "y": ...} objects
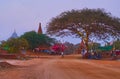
[
  {"x": 14, "y": 45},
  {"x": 31, "y": 38},
  {"x": 23, "y": 43},
  {"x": 94, "y": 46},
  {"x": 13, "y": 50},
  {"x": 36, "y": 40},
  {"x": 116, "y": 44}
]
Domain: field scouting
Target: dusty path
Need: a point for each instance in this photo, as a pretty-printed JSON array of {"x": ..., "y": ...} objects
[{"x": 49, "y": 67}]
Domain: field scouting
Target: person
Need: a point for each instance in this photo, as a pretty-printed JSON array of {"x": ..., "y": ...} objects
[
  {"x": 62, "y": 54},
  {"x": 114, "y": 56},
  {"x": 83, "y": 52},
  {"x": 99, "y": 56}
]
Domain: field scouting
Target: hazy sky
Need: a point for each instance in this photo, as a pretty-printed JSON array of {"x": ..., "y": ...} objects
[{"x": 25, "y": 15}]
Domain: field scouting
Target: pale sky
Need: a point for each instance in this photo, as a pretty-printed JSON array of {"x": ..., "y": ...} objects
[{"x": 25, "y": 15}]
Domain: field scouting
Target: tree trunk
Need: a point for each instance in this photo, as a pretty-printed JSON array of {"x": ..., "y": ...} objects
[{"x": 87, "y": 39}]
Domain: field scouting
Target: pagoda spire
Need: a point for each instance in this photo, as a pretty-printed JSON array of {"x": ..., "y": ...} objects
[
  {"x": 39, "y": 29},
  {"x": 14, "y": 35}
]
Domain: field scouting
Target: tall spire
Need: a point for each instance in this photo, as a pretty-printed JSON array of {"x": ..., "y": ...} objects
[{"x": 39, "y": 29}]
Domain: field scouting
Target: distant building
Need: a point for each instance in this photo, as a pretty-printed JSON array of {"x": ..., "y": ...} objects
[{"x": 14, "y": 35}]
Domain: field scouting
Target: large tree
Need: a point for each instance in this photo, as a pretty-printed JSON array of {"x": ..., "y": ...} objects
[{"x": 86, "y": 24}]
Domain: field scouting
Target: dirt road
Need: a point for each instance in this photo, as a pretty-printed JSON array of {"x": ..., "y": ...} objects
[{"x": 49, "y": 67}]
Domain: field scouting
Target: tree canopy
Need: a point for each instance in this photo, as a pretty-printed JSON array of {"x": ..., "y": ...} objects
[
  {"x": 34, "y": 39},
  {"x": 85, "y": 24},
  {"x": 14, "y": 45},
  {"x": 116, "y": 44},
  {"x": 94, "y": 46}
]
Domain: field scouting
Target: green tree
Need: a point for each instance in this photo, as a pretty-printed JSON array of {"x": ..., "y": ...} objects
[
  {"x": 23, "y": 43},
  {"x": 116, "y": 44},
  {"x": 85, "y": 24},
  {"x": 14, "y": 45},
  {"x": 34, "y": 39},
  {"x": 94, "y": 46}
]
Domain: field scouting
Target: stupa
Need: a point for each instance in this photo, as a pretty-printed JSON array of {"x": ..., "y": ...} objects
[{"x": 14, "y": 35}]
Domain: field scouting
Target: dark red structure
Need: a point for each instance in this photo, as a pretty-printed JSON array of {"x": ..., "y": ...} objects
[{"x": 40, "y": 29}]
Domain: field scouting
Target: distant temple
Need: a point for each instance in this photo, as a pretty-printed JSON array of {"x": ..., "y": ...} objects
[
  {"x": 14, "y": 35},
  {"x": 39, "y": 29}
]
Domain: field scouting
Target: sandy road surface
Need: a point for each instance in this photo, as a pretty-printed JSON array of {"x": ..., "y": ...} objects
[{"x": 49, "y": 67}]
